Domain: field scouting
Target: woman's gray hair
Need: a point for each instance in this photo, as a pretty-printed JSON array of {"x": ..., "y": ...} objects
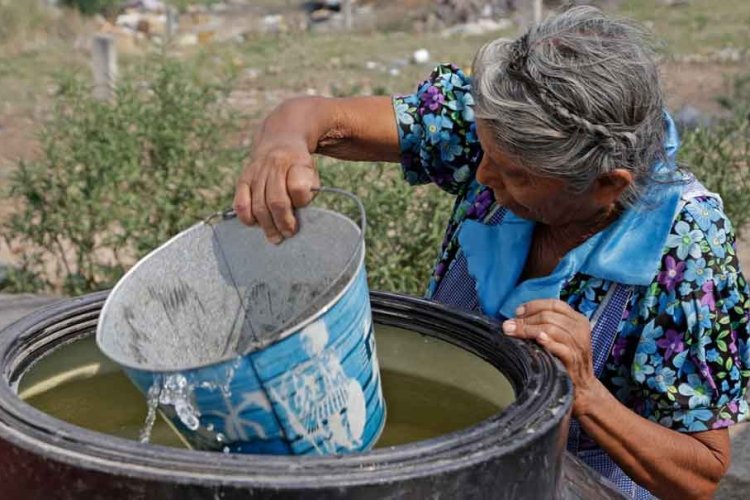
[{"x": 575, "y": 97}]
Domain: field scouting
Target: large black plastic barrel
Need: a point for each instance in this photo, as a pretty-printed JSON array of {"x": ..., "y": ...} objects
[{"x": 517, "y": 453}]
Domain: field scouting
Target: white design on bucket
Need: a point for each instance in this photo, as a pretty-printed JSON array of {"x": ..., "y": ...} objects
[
  {"x": 235, "y": 426},
  {"x": 322, "y": 404}
]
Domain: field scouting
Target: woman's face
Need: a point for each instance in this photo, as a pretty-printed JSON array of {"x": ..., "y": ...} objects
[{"x": 541, "y": 199}]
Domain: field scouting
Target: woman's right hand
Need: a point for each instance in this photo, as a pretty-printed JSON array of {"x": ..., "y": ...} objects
[
  {"x": 279, "y": 178},
  {"x": 281, "y": 173}
]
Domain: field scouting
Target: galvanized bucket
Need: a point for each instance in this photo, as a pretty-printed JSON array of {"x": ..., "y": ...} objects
[{"x": 251, "y": 347}]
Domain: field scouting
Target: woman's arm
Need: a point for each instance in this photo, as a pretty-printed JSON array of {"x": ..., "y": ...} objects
[
  {"x": 281, "y": 171},
  {"x": 668, "y": 463},
  {"x": 350, "y": 128}
]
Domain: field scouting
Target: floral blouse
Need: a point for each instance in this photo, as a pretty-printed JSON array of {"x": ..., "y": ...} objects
[{"x": 682, "y": 354}]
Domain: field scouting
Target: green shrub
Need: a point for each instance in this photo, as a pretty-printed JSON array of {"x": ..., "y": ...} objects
[
  {"x": 719, "y": 156},
  {"x": 116, "y": 180},
  {"x": 405, "y": 223},
  {"x": 720, "y": 159}
]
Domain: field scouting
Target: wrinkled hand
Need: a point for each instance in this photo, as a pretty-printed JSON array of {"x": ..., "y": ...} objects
[
  {"x": 566, "y": 334},
  {"x": 279, "y": 178}
]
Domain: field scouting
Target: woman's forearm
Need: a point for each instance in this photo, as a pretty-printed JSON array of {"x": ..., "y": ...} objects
[
  {"x": 356, "y": 128},
  {"x": 668, "y": 463}
]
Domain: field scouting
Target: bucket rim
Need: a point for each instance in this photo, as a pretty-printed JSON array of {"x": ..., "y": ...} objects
[{"x": 293, "y": 328}]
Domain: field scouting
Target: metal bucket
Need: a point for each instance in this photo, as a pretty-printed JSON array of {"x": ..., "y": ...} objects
[{"x": 251, "y": 347}]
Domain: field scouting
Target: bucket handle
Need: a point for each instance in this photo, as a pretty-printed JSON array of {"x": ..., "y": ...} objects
[
  {"x": 230, "y": 213},
  {"x": 354, "y": 198}
]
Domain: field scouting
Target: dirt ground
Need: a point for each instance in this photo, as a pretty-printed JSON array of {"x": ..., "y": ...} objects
[{"x": 697, "y": 84}]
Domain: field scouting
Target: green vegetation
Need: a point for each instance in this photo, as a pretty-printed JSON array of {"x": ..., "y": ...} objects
[
  {"x": 182, "y": 5},
  {"x": 405, "y": 223},
  {"x": 700, "y": 27},
  {"x": 28, "y": 26},
  {"x": 720, "y": 155},
  {"x": 116, "y": 180}
]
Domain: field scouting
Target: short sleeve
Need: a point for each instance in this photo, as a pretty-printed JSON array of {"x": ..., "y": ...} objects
[
  {"x": 437, "y": 132},
  {"x": 692, "y": 361}
]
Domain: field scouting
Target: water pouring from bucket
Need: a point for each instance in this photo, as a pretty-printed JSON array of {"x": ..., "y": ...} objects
[{"x": 251, "y": 347}]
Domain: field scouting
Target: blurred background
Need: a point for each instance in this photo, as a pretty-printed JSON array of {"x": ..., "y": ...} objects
[{"x": 123, "y": 122}]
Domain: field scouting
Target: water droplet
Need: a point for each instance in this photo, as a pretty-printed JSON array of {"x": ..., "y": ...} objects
[
  {"x": 152, "y": 402},
  {"x": 177, "y": 392}
]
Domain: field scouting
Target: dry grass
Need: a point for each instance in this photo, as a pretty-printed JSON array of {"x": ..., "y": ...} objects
[{"x": 699, "y": 27}]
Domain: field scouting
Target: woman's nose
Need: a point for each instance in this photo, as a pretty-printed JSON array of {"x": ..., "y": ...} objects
[
  {"x": 487, "y": 177},
  {"x": 482, "y": 173}
]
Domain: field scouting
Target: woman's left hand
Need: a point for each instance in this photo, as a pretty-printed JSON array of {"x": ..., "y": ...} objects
[{"x": 563, "y": 332}]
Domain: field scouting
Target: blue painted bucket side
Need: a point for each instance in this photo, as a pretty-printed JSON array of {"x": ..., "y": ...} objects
[
  {"x": 326, "y": 402},
  {"x": 316, "y": 391}
]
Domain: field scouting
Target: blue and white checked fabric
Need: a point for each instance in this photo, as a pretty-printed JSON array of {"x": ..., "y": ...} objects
[
  {"x": 606, "y": 322},
  {"x": 458, "y": 289},
  {"x": 453, "y": 288}
]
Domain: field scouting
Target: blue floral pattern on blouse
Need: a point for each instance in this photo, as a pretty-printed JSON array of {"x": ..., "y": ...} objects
[{"x": 682, "y": 354}]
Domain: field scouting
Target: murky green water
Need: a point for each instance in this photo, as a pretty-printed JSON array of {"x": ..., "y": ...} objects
[
  {"x": 421, "y": 409},
  {"x": 431, "y": 388},
  {"x": 107, "y": 403}
]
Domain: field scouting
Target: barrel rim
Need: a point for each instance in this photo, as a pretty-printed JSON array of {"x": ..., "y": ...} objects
[{"x": 33, "y": 430}]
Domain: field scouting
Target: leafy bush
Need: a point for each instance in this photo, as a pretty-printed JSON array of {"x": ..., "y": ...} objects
[
  {"x": 405, "y": 224},
  {"x": 116, "y": 180},
  {"x": 720, "y": 159},
  {"x": 719, "y": 156}
]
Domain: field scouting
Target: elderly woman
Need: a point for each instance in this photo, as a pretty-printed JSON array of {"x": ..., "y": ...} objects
[{"x": 571, "y": 222}]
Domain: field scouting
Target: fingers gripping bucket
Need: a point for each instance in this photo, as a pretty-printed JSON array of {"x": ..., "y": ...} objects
[{"x": 251, "y": 347}]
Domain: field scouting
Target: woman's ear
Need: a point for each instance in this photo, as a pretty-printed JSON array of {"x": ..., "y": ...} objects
[{"x": 609, "y": 187}]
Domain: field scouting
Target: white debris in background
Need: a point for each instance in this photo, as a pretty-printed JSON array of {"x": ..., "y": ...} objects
[
  {"x": 421, "y": 56},
  {"x": 152, "y": 5},
  {"x": 252, "y": 73},
  {"x": 479, "y": 27},
  {"x": 274, "y": 23},
  {"x": 187, "y": 40}
]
